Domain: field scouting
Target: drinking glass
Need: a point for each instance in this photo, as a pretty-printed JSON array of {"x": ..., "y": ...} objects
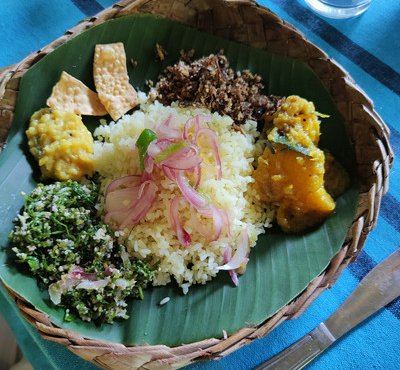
[{"x": 339, "y": 9}]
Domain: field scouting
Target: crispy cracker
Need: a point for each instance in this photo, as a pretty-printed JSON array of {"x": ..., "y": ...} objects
[
  {"x": 112, "y": 81},
  {"x": 72, "y": 95}
]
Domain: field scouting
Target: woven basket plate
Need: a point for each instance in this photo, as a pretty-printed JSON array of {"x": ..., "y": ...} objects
[
  {"x": 281, "y": 266},
  {"x": 285, "y": 273}
]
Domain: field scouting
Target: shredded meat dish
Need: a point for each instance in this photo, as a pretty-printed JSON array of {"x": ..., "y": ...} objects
[{"x": 210, "y": 82}]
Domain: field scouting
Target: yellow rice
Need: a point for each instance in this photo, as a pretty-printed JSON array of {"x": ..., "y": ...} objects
[{"x": 115, "y": 155}]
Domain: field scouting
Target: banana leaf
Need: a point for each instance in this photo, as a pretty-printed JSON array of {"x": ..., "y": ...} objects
[{"x": 280, "y": 267}]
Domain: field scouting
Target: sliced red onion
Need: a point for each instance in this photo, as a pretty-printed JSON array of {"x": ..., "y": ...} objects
[
  {"x": 126, "y": 181},
  {"x": 184, "y": 159},
  {"x": 227, "y": 254},
  {"x": 183, "y": 236},
  {"x": 170, "y": 173},
  {"x": 57, "y": 289},
  {"x": 75, "y": 269},
  {"x": 191, "y": 195},
  {"x": 68, "y": 281},
  {"x": 148, "y": 164},
  {"x": 197, "y": 171},
  {"x": 91, "y": 276},
  {"x": 153, "y": 149},
  {"x": 218, "y": 223},
  {"x": 194, "y": 123},
  {"x": 198, "y": 226},
  {"x": 191, "y": 124},
  {"x": 142, "y": 187},
  {"x": 118, "y": 217},
  {"x": 121, "y": 199},
  {"x": 159, "y": 145},
  {"x": 227, "y": 257},
  {"x": 78, "y": 272},
  {"x": 183, "y": 163},
  {"x": 241, "y": 253},
  {"x": 216, "y": 215},
  {"x": 93, "y": 285},
  {"x": 234, "y": 277},
  {"x": 213, "y": 140},
  {"x": 219, "y": 219},
  {"x": 165, "y": 129},
  {"x": 142, "y": 206},
  {"x": 128, "y": 206},
  {"x": 226, "y": 222}
]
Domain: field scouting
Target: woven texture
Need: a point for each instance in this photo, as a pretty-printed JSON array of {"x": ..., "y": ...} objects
[{"x": 245, "y": 22}]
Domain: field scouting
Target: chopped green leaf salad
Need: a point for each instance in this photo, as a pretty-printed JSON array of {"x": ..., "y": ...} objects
[{"x": 63, "y": 242}]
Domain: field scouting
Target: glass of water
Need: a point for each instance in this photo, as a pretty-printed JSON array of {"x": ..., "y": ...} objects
[{"x": 339, "y": 9}]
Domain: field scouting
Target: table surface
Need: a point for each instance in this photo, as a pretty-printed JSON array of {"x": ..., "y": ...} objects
[{"x": 368, "y": 47}]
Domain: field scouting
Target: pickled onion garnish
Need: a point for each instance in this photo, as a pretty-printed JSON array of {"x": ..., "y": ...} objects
[
  {"x": 157, "y": 146},
  {"x": 93, "y": 285},
  {"x": 190, "y": 194},
  {"x": 217, "y": 218},
  {"x": 127, "y": 181},
  {"x": 166, "y": 129},
  {"x": 202, "y": 229},
  {"x": 234, "y": 277},
  {"x": 128, "y": 201},
  {"x": 78, "y": 278},
  {"x": 148, "y": 164},
  {"x": 227, "y": 254},
  {"x": 79, "y": 272},
  {"x": 232, "y": 273},
  {"x": 193, "y": 125},
  {"x": 143, "y": 204},
  {"x": 169, "y": 173},
  {"x": 181, "y": 156},
  {"x": 212, "y": 138},
  {"x": 241, "y": 254},
  {"x": 121, "y": 199},
  {"x": 183, "y": 236},
  {"x": 197, "y": 171}
]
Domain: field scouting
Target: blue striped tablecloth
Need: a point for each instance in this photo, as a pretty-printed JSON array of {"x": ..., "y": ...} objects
[{"x": 369, "y": 49}]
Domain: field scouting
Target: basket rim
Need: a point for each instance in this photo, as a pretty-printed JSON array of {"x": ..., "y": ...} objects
[{"x": 99, "y": 352}]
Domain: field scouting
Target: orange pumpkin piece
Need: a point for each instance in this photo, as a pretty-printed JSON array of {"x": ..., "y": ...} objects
[
  {"x": 290, "y": 173},
  {"x": 295, "y": 183}
]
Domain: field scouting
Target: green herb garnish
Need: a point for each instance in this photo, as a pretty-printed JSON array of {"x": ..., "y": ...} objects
[{"x": 277, "y": 138}]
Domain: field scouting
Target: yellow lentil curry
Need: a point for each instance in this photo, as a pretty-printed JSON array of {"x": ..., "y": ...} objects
[
  {"x": 290, "y": 173},
  {"x": 61, "y": 143}
]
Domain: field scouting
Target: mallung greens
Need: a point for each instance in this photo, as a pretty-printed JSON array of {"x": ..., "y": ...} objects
[{"x": 63, "y": 242}]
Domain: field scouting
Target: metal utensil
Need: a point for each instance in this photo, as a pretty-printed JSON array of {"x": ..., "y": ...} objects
[{"x": 378, "y": 288}]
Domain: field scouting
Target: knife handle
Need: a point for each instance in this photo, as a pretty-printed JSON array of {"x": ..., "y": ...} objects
[
  {"x": 379, "y": 287},
  {"x": 302, "y": 352}
]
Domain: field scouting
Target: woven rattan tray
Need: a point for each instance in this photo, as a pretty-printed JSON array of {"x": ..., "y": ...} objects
[{"x": 248, "y": 23}]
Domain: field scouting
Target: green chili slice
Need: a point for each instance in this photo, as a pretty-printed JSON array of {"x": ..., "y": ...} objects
[
  {"x": 169, "y": 150},
  {"x": 143, "y": 142}
]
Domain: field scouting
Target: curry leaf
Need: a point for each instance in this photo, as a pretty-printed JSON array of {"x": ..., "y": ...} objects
[{"x": 277, "y": 138}]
